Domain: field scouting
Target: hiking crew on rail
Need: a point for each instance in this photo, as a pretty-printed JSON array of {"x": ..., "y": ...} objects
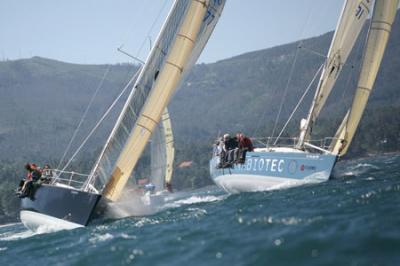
[
  {"x": 35, "y": 176},
  {"x": 232, "y": 150}
]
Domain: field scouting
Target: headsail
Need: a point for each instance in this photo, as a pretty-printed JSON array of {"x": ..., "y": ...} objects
[
  {"x": 182, "y": 38},
  {"x": 351, "y": 21},
  {"x": 169, "y": 146},
  {"x": 378, "y": 36},
  {"x": 162, "y": 153}
]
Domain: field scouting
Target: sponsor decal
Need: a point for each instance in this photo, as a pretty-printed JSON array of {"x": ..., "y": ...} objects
[
  {"x": 307, "y": 167},
  {"x": 261, "y": 164}
]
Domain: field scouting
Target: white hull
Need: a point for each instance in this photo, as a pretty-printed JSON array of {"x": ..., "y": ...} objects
[
  {"x": 237, "y": 183},
  {"x": 265, "y": 170},
  {"x": 39, "y": 222}
]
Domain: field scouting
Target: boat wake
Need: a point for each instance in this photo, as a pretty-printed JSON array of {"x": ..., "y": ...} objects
[
  {"x": 355, "y": 170},
  {"x": 17, "y": 231},
  {"x": 150, "y": 204},
  {"x": 14, "y": 231},
  {"x": 194, "y": 200}
]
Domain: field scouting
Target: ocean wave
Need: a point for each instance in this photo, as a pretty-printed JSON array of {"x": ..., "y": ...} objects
[
  {"x": 12, "y": 235},
  {"x": 291, "y": 221},
  {"x": 96, "y": 238},
  {"x": 366, "y": 165},
  {"x": 199, "y": 199},
  {"x": 8, "y": 225}
]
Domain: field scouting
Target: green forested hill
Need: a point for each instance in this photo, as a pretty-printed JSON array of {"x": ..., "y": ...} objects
[{"x": 42, "y": 101}]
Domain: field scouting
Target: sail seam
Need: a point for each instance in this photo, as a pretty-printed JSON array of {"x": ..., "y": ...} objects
[
  {"x": 364, "y": 88},
  {"x": 185, "y": 37},
  {"x": 380, "y": 28},
  {"x": 176, "y": 66},
  {"x": 142, "y": 126},
  {"x": 148, "y": 117},
  {"x": 382, "y": 22}
]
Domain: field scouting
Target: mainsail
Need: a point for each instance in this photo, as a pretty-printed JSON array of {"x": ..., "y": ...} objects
[
  {"x": 378, "y": 36},
  {"x": 162, "y": 153},
  {"x": 351, "y": 21},
  {"x": 180, "y": 42}
]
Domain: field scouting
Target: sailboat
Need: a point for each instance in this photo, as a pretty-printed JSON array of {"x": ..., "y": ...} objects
[
  {"x": 276, "y": 165},
  {"x": 72, "y": 202}
]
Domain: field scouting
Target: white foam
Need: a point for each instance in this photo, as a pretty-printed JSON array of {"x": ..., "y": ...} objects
[
  {"x": 135, "y": 205},
  {"x": 11, "y": 236},
  {"x": 199, "y": 199},
  {"x": 132, "y": 204},
  {"x": 9, "y": 225},
  {"x": 365, "y": 165},
  {"x": 41, "y": 223},
  {"x": 100, "y": 238}
]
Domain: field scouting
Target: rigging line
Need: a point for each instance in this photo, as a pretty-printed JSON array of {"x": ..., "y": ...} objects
[
  {"x": 285, "y": 91},
  {"x": 102, "y": 119},
  {"x": 84, "y": 115},
  {"x": 151, "y": 28},
  {"x": 313, "y": 52},
  {"x": 255, "y": 131},
  {"x": 291, "y": 72},
  {"x": 298, "y": 104},
  {"x": 119, "y": 49},
  {"x": 290, "y": 77}
]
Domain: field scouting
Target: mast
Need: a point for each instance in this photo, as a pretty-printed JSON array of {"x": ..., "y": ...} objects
[
  {"x": 181, "y": 48},
  {"x": 353, "y": 16},
  {"x": 378, "y": 36}
]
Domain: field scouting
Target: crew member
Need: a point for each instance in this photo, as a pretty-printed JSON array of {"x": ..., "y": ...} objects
[
  {"x": 245, "y": 145},
  {"x": 26, "y": 186},
  {"x": 230, "y": 145}
]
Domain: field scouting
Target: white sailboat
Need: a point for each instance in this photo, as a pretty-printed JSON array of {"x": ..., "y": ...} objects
[
  {"x": 276, "y": 166},
  {"x": 183, "y": 36}
]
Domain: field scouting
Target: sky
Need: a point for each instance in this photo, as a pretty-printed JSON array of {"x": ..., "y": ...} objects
[{"x": 90, "y": 31}]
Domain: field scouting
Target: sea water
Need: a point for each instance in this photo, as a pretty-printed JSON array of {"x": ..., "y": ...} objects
[{"x": 353, "y": 219}]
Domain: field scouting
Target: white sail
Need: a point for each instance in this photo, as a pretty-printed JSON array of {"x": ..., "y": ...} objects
[
  {"x": 162, "y": 153},
  {"x": 169, "y": 146},
  {"x": 158, "y": 157},
  {"x": 378, "y": 36},
  {"x": 351, "y": 21},
  {"x": 182, "y": 38}
]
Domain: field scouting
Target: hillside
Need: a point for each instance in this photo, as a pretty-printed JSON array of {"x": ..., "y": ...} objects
[{"x": 42, "y": 100}]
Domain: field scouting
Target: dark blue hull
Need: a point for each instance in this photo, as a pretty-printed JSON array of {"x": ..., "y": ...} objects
[{"x": 59, "y": 203}]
